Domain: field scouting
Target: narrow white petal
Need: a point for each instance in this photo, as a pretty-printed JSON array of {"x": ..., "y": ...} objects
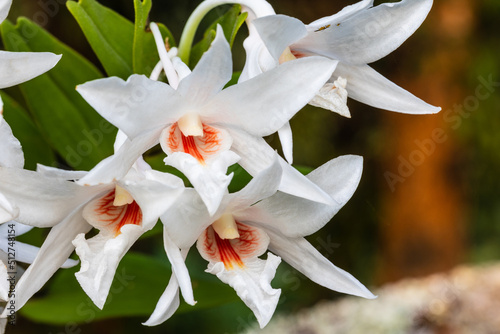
[
  {"x": 256, "y": 53},
  {"x": 61, "y": 174},
  {"x": 366, "y": 85},
  {"x": 4, "y": 9},
  {"x": 211, "y": 73},
  {"x": 7, "y": 210},
  {"x": 256, "y": 155},
  {"x": 18, "y": 67},
  {"x": 4, "y": 283},
  {"x": 210, "y": 181},
  {"x": 301, "y": 255},
  {"x": 179, "y": 268},
  {"x": 346, "y": 13},
  {"x": 11, "y": 153},
  {"x": 286, "y": 139},
  {"x": 169, "y": 301},
  {"x": 281, "y": 94},
  {"x": 42, "y": 201},
  {"x": 368, "y": 36},
  {"x": 118, "y": 165},
  {"x": 54, "y": 252},
  {"x": 100, "y": 256},
  {"x": 134, "y": 106},
  {"x": 294, "y": 216},
  {"x": 279, "y": 31},
  {"x": 253, "y": 285}
]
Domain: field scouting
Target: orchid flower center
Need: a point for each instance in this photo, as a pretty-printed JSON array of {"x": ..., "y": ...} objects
[
  {"x": 190, "y": 125},
  {"x": 112, "y": 211},
  {"x": 226, "y": 227},
  {"x": 287, "y": 55}
]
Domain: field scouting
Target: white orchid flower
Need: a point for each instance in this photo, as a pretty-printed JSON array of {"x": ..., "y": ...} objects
[
  {"x": 204, "y": 128},
  {"x": 247, "y": 224},
  {"x": 122, "y": 210},
  {"x": 356, "y": 36}
]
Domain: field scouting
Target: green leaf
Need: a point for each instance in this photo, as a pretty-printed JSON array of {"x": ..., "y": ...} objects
[
  {"x": 78, "y": 133},
  {"x": 139, "y": 282},
  {"x": 230, "y": 22},
  {"x": 36, "y": 149},
  {"x": 110, "y": 35}
]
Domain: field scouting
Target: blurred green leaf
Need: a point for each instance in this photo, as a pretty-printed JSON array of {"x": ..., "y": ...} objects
[
  {"x": 73, "y": 128},
  {"x": 145, "y": 53},
  {"x": 110, "y": 35},
  {"x": 230, "y": 22},
  {"x": 139, "y": 282},
  {"x": 36, "y": 149}
]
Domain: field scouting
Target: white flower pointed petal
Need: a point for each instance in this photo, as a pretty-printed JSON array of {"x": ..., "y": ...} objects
[
  {"x": 4, "y": 283},
  {"x": 11, "y": 154},
  {"x": 346, "y": 13},
  {"x": 366, "y": 85},
  {"x": 134, "y": 106},
  {"x": 169, "y": 301},
  {"x": 211, "y": 73},
  {"x": 54, "y": 252},
  {"x": 252, "y": 284},
  {"x": 286, "y": 140},
  {"x": 4, "y": 9},
  {"x": 281, "y": 94},
  {"x": 368, "y": 36},
  {"x": 179, "y": 268},
  {"x": 42, "y": 201},
  {"x": 61, "y": 174},
  {"x": 100, "y": 256},
  {"x": 210, "y": 181},
  {"x": 279, "y": 31},
  {"x": 18, "y": 67},
  {"x": 256, "y": 155},
  {"x": 295, "y": 217},
  {"x": 301, "y": 255},
  {"x": 7, "y": 210}
]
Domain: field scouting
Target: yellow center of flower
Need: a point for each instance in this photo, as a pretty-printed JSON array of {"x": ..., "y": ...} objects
[
  {"x": 190, "y": 125},
  {"x": 287, "y": 55},
  {"x": 122, "y": 197},
  {"x": 226, "y": 227}
]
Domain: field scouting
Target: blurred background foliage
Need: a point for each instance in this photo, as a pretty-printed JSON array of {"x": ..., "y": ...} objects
[{"x": 444, "y": 210}]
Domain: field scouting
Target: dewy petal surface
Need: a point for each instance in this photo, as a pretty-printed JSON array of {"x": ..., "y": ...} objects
[
  {"x": 281, "y": 94},
  {"x": 366, "y": 85},
  {"x": 368, "y": 36},
  {"x": 18, "y": 67}
]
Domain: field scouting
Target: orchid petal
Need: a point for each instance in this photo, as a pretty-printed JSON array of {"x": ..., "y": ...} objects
[
  {"x": 333, "y": 97},
  {"x": 4, "y": 282},
  {"x": 286, "y": 139},
  {"x": 296, "y": 217},
  {"x": 42, "y": 201},
  {"x": 4, "y": 9},
  {"x": 61, "y": 174},
  {"x": 368, "y": 36},
  {"x": 186, "y": 219},
  {"x": 366, "y": 85},
  {"x": 263, "y": 185},
  {"x": 210, "y": 181},
  {"x": 54, "y": 252},
  {"x": 256, "y": 53},
  {"x": 7, "y": 210},
  {"x": 252, "y": 284},
  {"x": 179, "y": 268},
  {"x": 346, "y": 13},
  {"x": 256, "y": 155},
  {"x": 279, "y": 31},
  {"x": 169, "y": 301},
  {"x": 100, "y": 256},
  {"x": 301, "y": 255},
  {"x": 18, "y": 67},
  {"x": 3, "y": 324},
  {"x": 11, "y": 153},
  {"x": 134, "y": 106},
  {"x": 264, "y": 115},
  {"x": 211, "y": 73},
  {"x": 118, "y": 165}
]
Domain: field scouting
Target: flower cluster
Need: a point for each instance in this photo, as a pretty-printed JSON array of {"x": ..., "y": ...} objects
[{"x": 204, "y": 126}]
